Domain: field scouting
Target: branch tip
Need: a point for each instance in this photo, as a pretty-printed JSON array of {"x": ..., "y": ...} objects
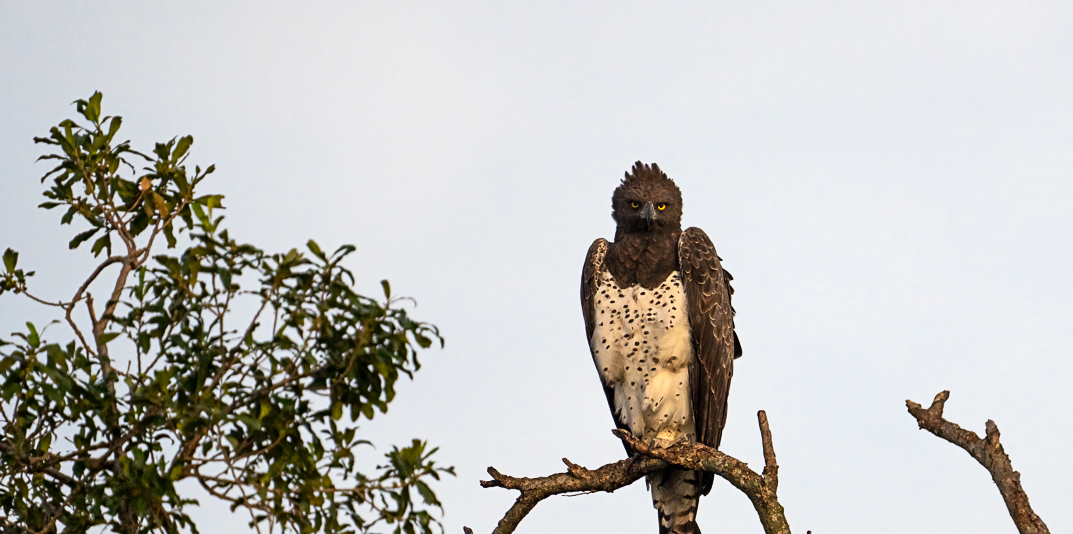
[
  {"x": 576, "y": 470},
  {"x": 771, "y": 467},
  {"x": 497, "y": 479},
  {"x": 939, "y": 403},
  {"x": 992, "y": 433}
]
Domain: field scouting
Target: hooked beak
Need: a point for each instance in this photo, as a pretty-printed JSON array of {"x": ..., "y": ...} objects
[{"x": 647, "y": 213}]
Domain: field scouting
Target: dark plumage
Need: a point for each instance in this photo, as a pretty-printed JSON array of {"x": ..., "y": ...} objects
[
  {"x": 645, "y": 249},
  {"x": 652, "y": 258}
]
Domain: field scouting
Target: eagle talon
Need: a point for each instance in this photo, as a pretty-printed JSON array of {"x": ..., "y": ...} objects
[
  {"x": 654, "y": 443},
  {"x": 682, "y": 440}
]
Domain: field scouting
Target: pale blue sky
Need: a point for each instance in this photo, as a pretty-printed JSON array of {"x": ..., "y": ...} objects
[{"x": 889, "y": 182}]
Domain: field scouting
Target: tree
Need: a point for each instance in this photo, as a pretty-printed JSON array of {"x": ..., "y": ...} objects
[
  {"x": 761, "y": 488},
  {"x": 243, "y": 371}
]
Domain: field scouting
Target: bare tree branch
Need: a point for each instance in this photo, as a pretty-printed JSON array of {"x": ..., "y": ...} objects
[
  {"x": 771, "y": 468},
  {"x": 761, "y": 489},
  {"x": 989, "y": 452},
  {"x": 577, "y": 479}
]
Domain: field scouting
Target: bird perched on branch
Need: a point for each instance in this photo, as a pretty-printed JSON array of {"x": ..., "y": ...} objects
[{"x": 661, "y": 330}]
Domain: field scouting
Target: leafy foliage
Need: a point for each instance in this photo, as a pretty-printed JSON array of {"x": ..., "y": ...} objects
[{"x": 222, "y": 364}]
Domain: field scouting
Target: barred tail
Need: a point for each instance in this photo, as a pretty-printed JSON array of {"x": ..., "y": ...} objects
[{"x": 675, "y": 496}]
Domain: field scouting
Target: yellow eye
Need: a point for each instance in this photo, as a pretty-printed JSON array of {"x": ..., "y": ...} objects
[
  {"x": 661, "y": 206},
  {"x": 635, "y": 204}
]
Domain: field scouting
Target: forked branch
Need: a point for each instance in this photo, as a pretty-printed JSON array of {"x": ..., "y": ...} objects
[
  {"x": 989, "y": 452},
  {"x": 760, "y": 488}
]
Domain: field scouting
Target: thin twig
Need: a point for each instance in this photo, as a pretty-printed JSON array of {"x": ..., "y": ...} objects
[
  {"x": 43, "y": 301},
  {"x": 70, "y": 306},
  {"x": 96, "y": 272}
]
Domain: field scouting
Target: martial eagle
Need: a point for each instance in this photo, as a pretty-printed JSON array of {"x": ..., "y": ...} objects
[{"x": 661, "y": 331}]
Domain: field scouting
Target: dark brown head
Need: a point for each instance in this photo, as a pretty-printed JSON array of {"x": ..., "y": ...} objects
[{"x": 646, "y": 201}]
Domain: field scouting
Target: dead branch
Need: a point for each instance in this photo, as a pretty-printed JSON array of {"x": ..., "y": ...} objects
[
  {"x": 577, "y": 479},
  {"x": 761, "y": 489},
  {"x": 989, "y": 452}
]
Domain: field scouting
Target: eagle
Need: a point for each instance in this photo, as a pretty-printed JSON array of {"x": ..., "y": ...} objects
[{"x": 660, "y": 327}]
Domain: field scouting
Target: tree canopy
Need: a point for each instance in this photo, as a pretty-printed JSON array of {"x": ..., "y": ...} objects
[{"x": 216, "y": 363}]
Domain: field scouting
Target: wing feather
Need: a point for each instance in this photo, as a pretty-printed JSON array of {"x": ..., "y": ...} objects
[
  {"x": 715, "y": 345},
  {"x": 590, "y": 285}
]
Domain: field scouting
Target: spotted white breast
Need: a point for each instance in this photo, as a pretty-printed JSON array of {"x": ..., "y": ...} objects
[{"x": 642, "y": 349}]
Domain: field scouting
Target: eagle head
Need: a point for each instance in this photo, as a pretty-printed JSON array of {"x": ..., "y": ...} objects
[{"x": 647, "y": 201}]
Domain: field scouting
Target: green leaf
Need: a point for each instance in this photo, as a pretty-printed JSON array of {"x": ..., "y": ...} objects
[
  {"x": 225, "y": 279},
  {"x": 169, "y": 234},
  {"x": 181, "y": 147},
  {"x": 210, "y": 201},
  {"x": 46, "y": 442},
  {"x": 80, "y": 238},
  {"x": 114, "y": 125},
  {"x": 139, "y": 223},
  {"x": 106, "y": 337},
  {"x": 160, "y": 204},
  {"x": 387, "y": 288},
  {"x": 201, "y": 215},
  {"x": 426, "y": 493},
  {"x": 33, "y": 339},
  {"x": 67, "y": 217},
  {"x": 103, "y": 242},
  {"x": 182, "y": 183},
  {"x": 250, "y": 422},
  {"x": 10, "y": 259},
  {"x": 93, "y": 110}
]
